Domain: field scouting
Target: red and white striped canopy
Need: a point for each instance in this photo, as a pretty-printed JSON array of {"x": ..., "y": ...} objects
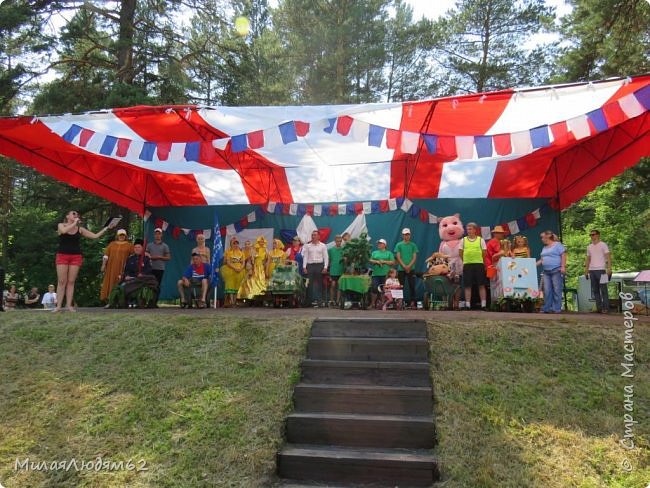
[{"x": 556, "y": 141}]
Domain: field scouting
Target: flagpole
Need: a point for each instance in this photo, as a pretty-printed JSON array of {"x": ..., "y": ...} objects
[{"x": 217, "y": 256}]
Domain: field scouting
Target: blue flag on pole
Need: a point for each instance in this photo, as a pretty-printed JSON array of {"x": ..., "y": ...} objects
[{"x": 217, "y": 251}]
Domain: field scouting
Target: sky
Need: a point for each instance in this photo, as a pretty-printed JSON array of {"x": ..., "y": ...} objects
[{"x": 433, "y": 9}]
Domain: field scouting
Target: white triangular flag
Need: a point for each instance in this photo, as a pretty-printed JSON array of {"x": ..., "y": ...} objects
[
  {"x": 177, "y": 152},
  {"x": 221, "y": 143},
  {"x": 359, "y": 130},
  {"x": 464, "y": 147},
  {"x": 521, "y": 143},
  {"x": 631, "y": 106},
  {"x": 579, "y": 126},
  {"x": 272, "y": 138},
  {"x": 135, "y": 148},
  {"x": 410, "y": 141}
]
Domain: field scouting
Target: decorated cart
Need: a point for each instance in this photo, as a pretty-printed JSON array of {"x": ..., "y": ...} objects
[{"x": 286, "y": 286}]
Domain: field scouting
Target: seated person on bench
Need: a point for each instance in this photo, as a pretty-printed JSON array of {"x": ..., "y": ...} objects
[
  {"x": 33, "y": 298},
  {"x": 197, "y": 274},
  {"x": 137, "y": 272}
]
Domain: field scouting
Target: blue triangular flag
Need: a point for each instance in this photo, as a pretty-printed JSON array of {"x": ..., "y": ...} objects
[
  {"x": 288, "y": 132},
  {"x": 375, "y": 135},
  {"x": 238, "y": 143}
]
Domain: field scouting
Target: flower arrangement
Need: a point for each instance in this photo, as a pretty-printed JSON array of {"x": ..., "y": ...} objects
[{"x": 519, "y": 302}]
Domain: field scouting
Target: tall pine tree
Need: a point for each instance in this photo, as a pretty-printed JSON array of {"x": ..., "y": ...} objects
[{"x": 487, "y": 45}]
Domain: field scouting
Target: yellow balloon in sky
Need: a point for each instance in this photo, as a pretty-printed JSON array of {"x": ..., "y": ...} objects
[{"x": 242, "y": 26}]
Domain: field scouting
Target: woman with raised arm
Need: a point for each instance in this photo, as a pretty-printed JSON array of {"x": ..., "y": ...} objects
[{"x": 69, "y": 258}]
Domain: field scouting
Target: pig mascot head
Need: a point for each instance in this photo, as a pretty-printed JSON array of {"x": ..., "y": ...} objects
[
  {"x": 450, "y": 228},
  {"x": 451, "y": 232}
]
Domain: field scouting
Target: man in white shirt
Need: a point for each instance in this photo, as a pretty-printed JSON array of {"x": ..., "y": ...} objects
[
  {"x": 315, "y": 262},
  {"x": 598, "y": 270}
]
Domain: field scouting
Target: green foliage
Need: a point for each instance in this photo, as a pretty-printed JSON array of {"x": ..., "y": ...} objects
[
  {"x": 620, "y": 209},
  {"x": 482, "y": 44},
  {"x": 337, "y": 48},
  {"x": 117, "y": 297},
  {"x": 32, "y": 247},
  {"x": 356, "y": 252},
  {"x": 409, "y": 72},
  {"x": 605, "y": 38},
  {"x": 23, "y": 41}
]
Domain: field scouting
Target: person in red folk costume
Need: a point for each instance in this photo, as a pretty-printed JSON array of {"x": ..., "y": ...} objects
[{"x": 451, "y": 232}]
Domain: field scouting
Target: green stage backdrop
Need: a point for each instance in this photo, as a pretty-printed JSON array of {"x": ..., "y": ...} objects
[{"x": 485, "y": 212}]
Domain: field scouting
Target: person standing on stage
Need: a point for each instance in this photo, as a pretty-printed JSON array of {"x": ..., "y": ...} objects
[
  {"x": 406, "y": 254},
  {"x": 159, "y": 254},
  {"x": 69, "y": 257},
  {"x": 113, "y": 261},
  {"x": 473, "y": 251},
  {"x": 597, "y": 265},
  {"x": 315, "y": 262}
]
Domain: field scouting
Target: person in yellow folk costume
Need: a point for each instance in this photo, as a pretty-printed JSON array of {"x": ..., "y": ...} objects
[
  {"x": 115, "y": 256},
  {"x": 233, "y": 271},
  {"x": 255, "y": 282},
  {"x": 276, "y": 256},
  {"x": 248, "y": 250}
]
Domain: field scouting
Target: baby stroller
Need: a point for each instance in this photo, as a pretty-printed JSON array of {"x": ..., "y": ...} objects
[{"x": 390, "y": 298}]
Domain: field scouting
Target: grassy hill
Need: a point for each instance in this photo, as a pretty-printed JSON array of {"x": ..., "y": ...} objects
[{"x": 199, "y": 399}]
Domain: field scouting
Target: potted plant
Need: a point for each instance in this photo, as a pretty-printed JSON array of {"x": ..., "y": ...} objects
[{"x": 356, "y": 254}]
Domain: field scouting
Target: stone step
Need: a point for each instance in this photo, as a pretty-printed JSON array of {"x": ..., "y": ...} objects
[
  {"x": 356, "y": 430},
  {"x": 369, "y": 399},
  {"x": 381, "y": 373},
  {"x": 381, "y": 467},
  {"x": 368, "y": 349},
  {"x": 360, "y": 327}
]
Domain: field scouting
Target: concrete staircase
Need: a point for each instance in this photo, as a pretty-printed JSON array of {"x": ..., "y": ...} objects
[{"x": 363, "y": 407}]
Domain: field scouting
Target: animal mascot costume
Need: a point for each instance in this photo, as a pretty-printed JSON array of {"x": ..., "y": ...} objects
[{"x": 451, "y": 233}]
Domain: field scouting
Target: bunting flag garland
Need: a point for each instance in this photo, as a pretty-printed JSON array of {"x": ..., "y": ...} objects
[
  {"x": 452, "y": 148},
  {"x": 405, "y": 205}
]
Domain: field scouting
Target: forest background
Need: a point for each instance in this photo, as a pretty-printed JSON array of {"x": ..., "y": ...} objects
[{"x": 60, "y": 56}]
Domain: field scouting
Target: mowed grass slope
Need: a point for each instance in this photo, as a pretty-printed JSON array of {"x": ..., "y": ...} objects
[
  {"x": 539, "y": 404},
  {"x": 202, "y": 399}
]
